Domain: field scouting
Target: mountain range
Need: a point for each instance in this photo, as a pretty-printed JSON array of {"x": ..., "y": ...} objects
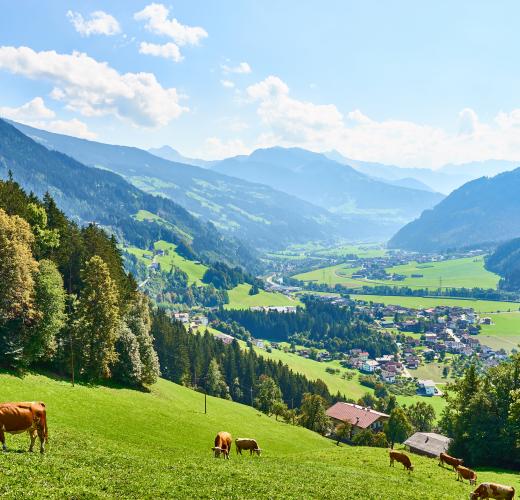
[
  {"x": 92, "y": 195},
  {"x": 481, "y": 212},
  {"x": 444, "y": 179},
  {"x": 264, "y": 216},
  {"x": 338, "y": 188}
]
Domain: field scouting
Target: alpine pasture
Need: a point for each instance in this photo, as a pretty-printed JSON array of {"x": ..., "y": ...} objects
[{"x": 118, "y": 443}]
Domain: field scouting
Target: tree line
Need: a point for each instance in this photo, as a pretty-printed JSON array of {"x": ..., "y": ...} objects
[
  {"x": 319, "y": 324},
  {"x": 66, "y": 302}
]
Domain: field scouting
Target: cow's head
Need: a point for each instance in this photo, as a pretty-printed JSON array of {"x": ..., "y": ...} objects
[
  {"x": 257, "y": 451},
  {"x": 218, "y": 450},
  {"x": 410, "y": 468}
]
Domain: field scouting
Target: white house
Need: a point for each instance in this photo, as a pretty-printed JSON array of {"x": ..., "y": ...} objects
[
  {"x": 428, "y": 387},
  {"x": 369, "y": 365}
]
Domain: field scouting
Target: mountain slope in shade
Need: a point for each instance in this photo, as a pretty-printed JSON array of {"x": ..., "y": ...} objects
[
  {"x": 443, "y": 180},
  {"x": 329, "y": 184},
  {"x": 168, "y": 153},
  {"x": 91, "y": 195},
  {"x": 486, "y": 210},
  {"x": 257, "y": 214}
]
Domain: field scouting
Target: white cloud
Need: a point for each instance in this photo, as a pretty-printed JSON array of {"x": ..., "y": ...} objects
[
  {"x": 167, "y": 51},
  {"x": 93, "y": 88},
  {"x": 227, "y": 83},
  {"x": 243, "y": 68},
  {"x": 32, "y": 110},
  {"x": 156, "y": 17},
  {"x": 72, "y": 127},
  {"x": 100, "y": 23},
  {"x": 320, "y": 127},
  {"x": 36, "y": 114},
  {"x": 216, "y": 149}
]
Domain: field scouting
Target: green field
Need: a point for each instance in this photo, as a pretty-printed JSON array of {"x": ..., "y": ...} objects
[
  {"x": 457, "y": 273},
  {"x": 117, "y": 443},
  {"x": 480, "y": 306},
  {"x": 194, "y": 270},
  {"x": 239, "y": 298},
  {"x": 504, "y": 333},
  {"x": 363, "y": 250}
]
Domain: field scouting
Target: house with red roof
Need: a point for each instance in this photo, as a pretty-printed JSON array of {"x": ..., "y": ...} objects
[{"x": 360, "y": 417}]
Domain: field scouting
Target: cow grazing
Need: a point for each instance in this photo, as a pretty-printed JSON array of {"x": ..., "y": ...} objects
[
  {"x": 493, "y": 490},
  {"x": 402, "y": 458},
  {"x": 30, "y": 417},
  {"x": 223, "y": 442},
  {"x": 444, "y": 458},
  {"x": 465, "y": 473},
  {"x": 247, "y": 444}
]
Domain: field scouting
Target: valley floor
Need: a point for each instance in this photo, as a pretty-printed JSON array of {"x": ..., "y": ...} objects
[{"x": 117, "y": 443}]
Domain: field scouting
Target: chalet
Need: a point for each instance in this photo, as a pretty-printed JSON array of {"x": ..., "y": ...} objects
[
  {"x": 427, "y": 387},
  {"x": 430, "y": 444},
  {"x": 182, "y": 317},
  {"x": 388, "y": 377},
  {"x": 430, "y": 338},
  {"x": 369, "y": 365},
  {"x": 359, "y": 417},
  {"x": 486, "y": 321},
  {"x": 225, "y": 338}
]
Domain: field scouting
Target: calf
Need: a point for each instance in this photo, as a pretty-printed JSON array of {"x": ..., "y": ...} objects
[
  {"x": 31, "y": 417},
  {"x": 222, "y": 446},
  {"x": 444, "y": 458},
  {"x": 402, "y": 458},
  {"x": 493, "y": 490},
  {"x": 465, "y": 473},
  {"x": 247, "y": 444}
]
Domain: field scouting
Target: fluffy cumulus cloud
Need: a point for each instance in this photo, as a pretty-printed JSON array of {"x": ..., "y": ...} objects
[
  {"x": 93, "y": 88},
  {"x": 36, "y": 114},
  {"x": 289, "y": 121},
  {"x": 157, "y": 21},
  {"x": 32, "y": 110},
  {"x": 243, "y": 68},
  {"x": 227, "y": 83},
  {"x": 99, "y": 23},
  {"x": 167, "y": 51}
]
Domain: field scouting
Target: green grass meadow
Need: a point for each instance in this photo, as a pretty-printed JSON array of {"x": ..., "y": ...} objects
[
  {"x": 239, "y": 298},
  {"x": 504, "y": 333},
  {"x": 118, "y": 443},
  {"x": 457, "y": 273}
]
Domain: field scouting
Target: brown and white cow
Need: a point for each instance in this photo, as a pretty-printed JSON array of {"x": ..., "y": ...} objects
[
  {"x": 465, "y": 473},
  {"x": 444, "y": 458},
  {"x": 402, "y": 458},
  {"x": 30, "y": 417},
  {"x": 247, "y": 444},
  {"x": 223, "y": 442},
  {"x": 493, "y": 490}
]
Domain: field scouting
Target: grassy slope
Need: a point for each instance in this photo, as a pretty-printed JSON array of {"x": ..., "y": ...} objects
[
  {"x": 467, "y": 272},
  {"x": 239, "y": 298},
  {"x": 194, "y": 270},
  {"x": 117, "y": 443},
  {"x": 504, "y": 333}
]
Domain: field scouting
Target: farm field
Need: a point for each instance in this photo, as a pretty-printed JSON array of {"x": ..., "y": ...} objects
[
  {"x": 431, "y": 371},
  {"x": 504, "y": 333},
  {"x": 457, "y": 273},
  {"x": 194, "y": 270},
  {"x": 163, "y": 451},
  {"x": 480, "y": 306},
  {"x": 239, "y": 298},
  {"x": 363, "y": 250}
]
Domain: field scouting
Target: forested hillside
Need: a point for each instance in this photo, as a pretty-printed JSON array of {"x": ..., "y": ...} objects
[
  {"x": 66, "y": 303},
  {"x": 93, "y": 195},
  {"x": 480, "y": 212},
  {"x": 255, "y": 213},
  {"x": 505, "y": 261}
]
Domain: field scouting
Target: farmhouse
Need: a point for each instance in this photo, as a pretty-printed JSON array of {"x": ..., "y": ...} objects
[
  {"x": 369, "y": 365},
  {"x": 428, "y": 443},
  {"x": 427, "y": 387},
  {"x": 359, "y": 417}
]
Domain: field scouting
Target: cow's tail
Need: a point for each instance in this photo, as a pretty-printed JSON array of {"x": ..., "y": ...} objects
[{"x": 44, "y": 426}]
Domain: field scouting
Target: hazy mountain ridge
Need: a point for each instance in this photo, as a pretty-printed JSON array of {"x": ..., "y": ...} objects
[
  {"x": 444, "y": 180},
  {"x": 338, "y": 188},
  {"x": 482, "y": 211},
  {"x": 92, "y": 195},
  {"x": 171, "y": 154},
  {"x": 255, "y": 213}
]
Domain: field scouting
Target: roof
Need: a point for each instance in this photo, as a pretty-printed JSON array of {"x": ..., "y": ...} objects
[
  {"x": 357, "y": 415},
  {"x": 427, "y": 383},
  {"x": 429, "y": 442}
]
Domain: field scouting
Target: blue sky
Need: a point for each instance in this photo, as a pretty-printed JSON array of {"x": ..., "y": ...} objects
[{"x": 411, "y": 83}]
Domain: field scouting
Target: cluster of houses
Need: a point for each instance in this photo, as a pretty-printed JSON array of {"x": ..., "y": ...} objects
[
  {"x": 387, "y": 367},
  {"x": 280, "y": 309},
  {"x": 190, "y": 320}
]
